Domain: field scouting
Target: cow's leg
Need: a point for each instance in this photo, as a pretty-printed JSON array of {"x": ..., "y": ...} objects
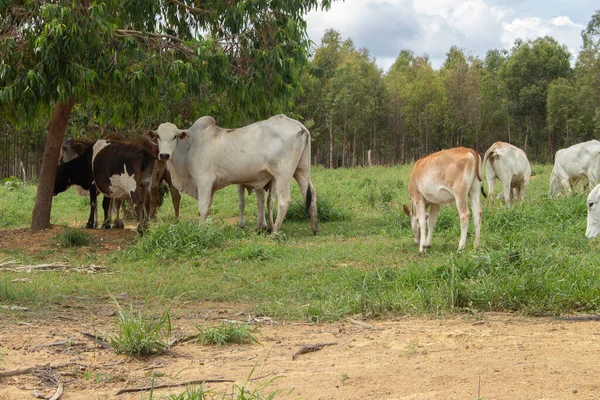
[
  {"x": 241, "y": 204},
  {"x": 477, "y": 213},
  {"x": 115, "y": 210},
  {"x": 431, "y": 220},
  {"x": 106, "y": 205},
  {"x": 422, "y": 220},
  {"x": 491, "y": 179},
  {"x": 463, "y": 212},
  {"x": 310, "y": 197},
  {"x": 261, "y": 222},
  {"x": 157, "y": 176},
  {"x": 138, "y": 199},
  {"x": 91, "y": 224},
  {"x": 283, "y": 201},
  {"x": 270, "y": 189},
  {"x": 205, "y": 197},
  {"x": 176, "y": 198},
  {"x": 507, "y": 192}
]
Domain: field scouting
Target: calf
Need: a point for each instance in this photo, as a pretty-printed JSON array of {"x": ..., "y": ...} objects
[
  {"x": 580, "y": 161},
  {"x": 510, "y": 165},
  {"x": 124, "y": 171},
  {"x": 444, "y": 177}
]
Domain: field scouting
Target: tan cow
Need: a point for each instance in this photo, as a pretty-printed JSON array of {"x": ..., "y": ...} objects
[
  {"x": 510, "y": 165},
  {"x": 444, "y": 177}
]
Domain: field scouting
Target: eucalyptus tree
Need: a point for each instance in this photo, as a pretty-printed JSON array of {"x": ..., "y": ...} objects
[
  {"x": 56, "y": 54},
  {"x": 588, "y": 80},
  {"x": 561, "y": 107},
  {"x": 527, "y": 73}
]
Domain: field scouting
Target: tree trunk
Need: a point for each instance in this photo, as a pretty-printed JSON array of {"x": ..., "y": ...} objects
[
  {"x": 331, "y": 144},
  {"x": 40, "y": 218},
  {"x": 375, "y": 142},
  {"x": 344, "y": 142},
  {"x": 354, "y": 150},
  {"x": 526, "y": 136}
]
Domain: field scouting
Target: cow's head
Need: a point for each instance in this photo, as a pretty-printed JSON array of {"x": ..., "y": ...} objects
[
  {"x": 62, "y": 181},
  {"x": 593, "y": 210},
  {"x": 166, "y": 137}
]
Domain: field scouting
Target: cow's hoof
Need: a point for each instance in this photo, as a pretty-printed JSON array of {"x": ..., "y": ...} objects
[
  {"x": 106, "y": 225},
  {"x": 120, "y": 225},
  {"x": 90, "y": 225}
]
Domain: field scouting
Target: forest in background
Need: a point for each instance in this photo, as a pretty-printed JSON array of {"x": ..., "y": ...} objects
[{"x": 532, "y": 96}]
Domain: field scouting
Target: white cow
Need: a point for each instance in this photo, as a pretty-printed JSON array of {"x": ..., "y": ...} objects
[
  {"x": 206, "y": 158},
  {"x": 593, "y": 210},
  {"x": 580, "y": 161},
  {"x": 510, "y": 165},
  {"x": 445, "y": 177}
]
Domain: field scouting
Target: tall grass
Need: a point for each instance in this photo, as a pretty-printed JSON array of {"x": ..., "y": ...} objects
[{"x": 534, "y": 257}]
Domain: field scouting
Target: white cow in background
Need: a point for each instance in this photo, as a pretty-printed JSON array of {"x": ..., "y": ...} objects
[
  {"x": 510, "y": 165},
  {"x": 580, "y": 161},
  {"x": 446, "y": 177},
  {"x": 593, "y": 210},
  {"x": 206, "y": 158}
]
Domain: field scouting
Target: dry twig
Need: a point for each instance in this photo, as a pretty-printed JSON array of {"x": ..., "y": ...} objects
[
  {"x": 170, "y": 385},
  {"x": 309, "y": 348},
  {"x": 359, "y": 323}
]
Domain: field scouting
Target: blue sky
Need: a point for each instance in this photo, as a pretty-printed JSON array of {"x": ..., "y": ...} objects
[{"x": 385, "y": 27}]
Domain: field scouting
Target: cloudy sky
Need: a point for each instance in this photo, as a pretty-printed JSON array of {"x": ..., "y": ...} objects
[{"x": 431, "y": 26}]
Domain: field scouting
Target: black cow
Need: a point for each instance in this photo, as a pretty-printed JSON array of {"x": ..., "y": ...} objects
[{"x": 118, "y": 170}]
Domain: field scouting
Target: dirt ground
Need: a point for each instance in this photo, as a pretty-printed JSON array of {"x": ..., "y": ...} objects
[{"x": 498, "y": 356}]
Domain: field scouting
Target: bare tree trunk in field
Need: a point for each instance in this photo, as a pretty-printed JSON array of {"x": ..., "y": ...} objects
[
  {"x": 331, "y": 144},
  {"x": 344, "y": 141},
  {"x": 375, "y": 142},
  {"x": 526, "y": 136},
  {"x": 40, "y": 218},
  {"x": 508, "y": 123},
  {"x": 354, "y": 150}
]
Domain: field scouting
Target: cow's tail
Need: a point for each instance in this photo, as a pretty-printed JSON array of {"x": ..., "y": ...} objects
[
  {"x": 478, "y": 168},
  {"x": 308, "y": 198},
  {"x": 490, "y": 155}
]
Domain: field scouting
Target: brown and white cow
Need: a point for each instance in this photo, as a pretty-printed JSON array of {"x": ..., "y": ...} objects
[
  {"x": 440, "y": 178},
  {"x": 510, "y": 165}
]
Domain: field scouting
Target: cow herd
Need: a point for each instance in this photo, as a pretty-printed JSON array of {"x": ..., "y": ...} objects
[{"x": 265, "y": 156}]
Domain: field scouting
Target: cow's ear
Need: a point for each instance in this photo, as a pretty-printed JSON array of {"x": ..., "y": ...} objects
[
  {"x": 406, "y": 210},
  {"x": 151, "y": 135},
  {"x": 182, "y": 134}
]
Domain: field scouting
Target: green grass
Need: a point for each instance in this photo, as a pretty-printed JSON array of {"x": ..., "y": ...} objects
[
  {"x": 226, "y": 334},
  {"x": 534, "y": 258},
  {"x": 140, "y": 334},
  {"x": 73, "y": 238}
]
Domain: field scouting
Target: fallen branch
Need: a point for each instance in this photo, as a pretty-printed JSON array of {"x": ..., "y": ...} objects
[
  {"x": 98, "y": 340},
  {"x": 14, "y": 308},
  {"x": 52, "y": 377},
  {"x": 170, "y": 385},
  {"x": 37, "y": 368},
  {"x": 89, "y": 269},
  {"x": 309, "y": 348},
  {"x": 359, "y": 323},
  {"x": 184, "y": 339}
]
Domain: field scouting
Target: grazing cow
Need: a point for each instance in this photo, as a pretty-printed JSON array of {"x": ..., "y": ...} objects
[
  {"x": 580, "y": 161},
  {"x": 510, "y": 165},
  {"x": 444, "y": 177},
  {"x": 593, "y": 210},
  {"x": 206, "y": 158},
  {"x": 72, "y": 148}
]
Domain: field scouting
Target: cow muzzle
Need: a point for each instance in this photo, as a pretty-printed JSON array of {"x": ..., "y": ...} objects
[{"x": 164, "y": 156}]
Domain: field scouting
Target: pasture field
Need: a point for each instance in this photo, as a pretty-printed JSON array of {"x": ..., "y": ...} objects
[
  {"x": 534, "y": 259},
  {"x": 452, "y": 316}
]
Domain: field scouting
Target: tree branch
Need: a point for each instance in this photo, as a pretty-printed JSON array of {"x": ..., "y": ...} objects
[{"x": 193, "y": 9}]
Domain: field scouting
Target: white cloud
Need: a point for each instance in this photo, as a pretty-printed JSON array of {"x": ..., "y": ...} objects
[{"x": 386, "y": 27}]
